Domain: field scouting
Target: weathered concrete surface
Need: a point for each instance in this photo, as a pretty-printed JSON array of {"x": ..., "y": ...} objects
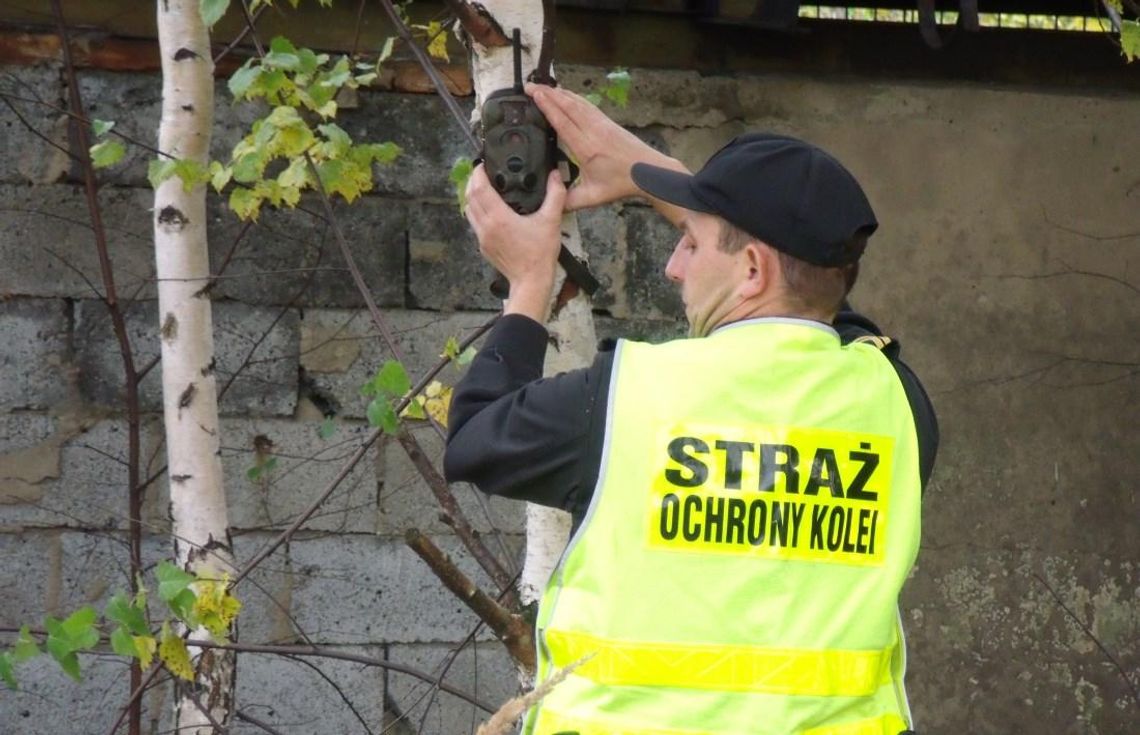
[
  {"x": 29, "y": 157},
  {"x": 255, "y": 348},
  {"x": 445, "y": 270},
  {"x": 48, "y": 247},
  {"x": 292, "y": 256},
  {"x": 70, "y": 471},
  {"x": 36, "y": 354}
]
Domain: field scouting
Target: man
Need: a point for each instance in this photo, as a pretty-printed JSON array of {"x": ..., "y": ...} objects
[{"x": 746, "y": 502}]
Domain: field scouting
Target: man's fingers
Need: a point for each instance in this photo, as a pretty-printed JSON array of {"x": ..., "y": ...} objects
[
  {"x": 552, "y": 103},
  {"x": 555, "y": 196}
]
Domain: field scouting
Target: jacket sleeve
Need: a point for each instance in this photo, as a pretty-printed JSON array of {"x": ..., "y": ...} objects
[
  {"x": 513, "y": 433},
  {"x": 851, "y": 325}
]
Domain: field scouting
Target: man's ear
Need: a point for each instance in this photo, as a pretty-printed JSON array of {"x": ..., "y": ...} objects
[{"x": 758, "y": 262}]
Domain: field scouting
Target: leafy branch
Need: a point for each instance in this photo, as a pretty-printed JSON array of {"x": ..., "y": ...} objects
[{"x": 198, "y": 603}]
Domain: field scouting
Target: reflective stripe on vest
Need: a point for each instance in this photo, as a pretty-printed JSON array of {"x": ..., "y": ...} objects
[
  {"x": 738, "y": 571},
  {"x": 555, "y": 722},
  {"x": 729, "y": 668}
]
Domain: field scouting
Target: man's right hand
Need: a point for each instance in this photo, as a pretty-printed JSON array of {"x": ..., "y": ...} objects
[{"x": 604, "y": 151}]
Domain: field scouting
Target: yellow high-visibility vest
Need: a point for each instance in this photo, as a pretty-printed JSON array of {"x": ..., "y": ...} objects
[{"x": 738, "y": 570}]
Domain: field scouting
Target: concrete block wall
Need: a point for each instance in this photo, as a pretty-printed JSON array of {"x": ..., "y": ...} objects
[{"x": 1005, "y": 264}]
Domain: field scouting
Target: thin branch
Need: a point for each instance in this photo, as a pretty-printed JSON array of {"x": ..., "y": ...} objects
[
  {"x": 110, "y": 298},
  {"x": 511, "y": 629},
  {"x": 83, "y": 276},
  {"x": 433, "y": 74},
  {"x": 544, "y": 70},
  {"x": 32, "y": 129},
  {"x": 1087, "y": 631},
  {"x": 356, "y": 30},
  {"x": 134, "y": 698},
  {"x": 241, "y": 36},
  {"x": 253, "y": 720},
  {"x": 455, "y": 516},
  {"x": 336, "y": 687},
  {"x": 1087, "y": 235},
  {"x": 1070, "y": 272},
  {"x": 323, "y": 652},
  {"x": 79, "y": 117},
  {"x": 313, "y": 507},
  {"x": 251, "y": 25}
]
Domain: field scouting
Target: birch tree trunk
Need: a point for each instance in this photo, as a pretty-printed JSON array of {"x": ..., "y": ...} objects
[
  {"x": 190, "y": 402},
  {"x": 572, "y": 328}
]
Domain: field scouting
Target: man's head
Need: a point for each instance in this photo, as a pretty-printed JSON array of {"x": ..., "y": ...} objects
[{"x": 791, "y": 225}]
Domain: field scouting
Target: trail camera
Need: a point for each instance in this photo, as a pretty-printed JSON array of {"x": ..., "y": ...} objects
[{"x": 519, "y": 148}]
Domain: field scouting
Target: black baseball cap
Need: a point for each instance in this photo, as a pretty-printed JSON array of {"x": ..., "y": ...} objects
[{"x": 781, "y": 190}]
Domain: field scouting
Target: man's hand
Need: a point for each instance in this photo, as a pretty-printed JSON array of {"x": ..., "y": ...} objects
[
  {"x": 603, "y": 150},
  {"x": 524, "y": 248}
]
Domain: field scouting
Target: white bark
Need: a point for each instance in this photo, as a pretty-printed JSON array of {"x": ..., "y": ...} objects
[
  {"x": 573, "y": 327},
  {"x": 190, "y": 403}
]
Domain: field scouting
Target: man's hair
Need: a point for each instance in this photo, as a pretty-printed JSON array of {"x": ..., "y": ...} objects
[{"x": 812, "y": 287}]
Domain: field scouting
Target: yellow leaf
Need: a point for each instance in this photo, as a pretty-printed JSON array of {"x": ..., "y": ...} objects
[
  {"x": 172, "y": 651},
  {"x": 328, "y": 109},
  {"x": 437, "y": 39},
  {"x": 438, "y": 47},
  {"x": 215, "y": 608},
  {"x": 437, "y": 404},
  {"x": 145, "y": 645}
]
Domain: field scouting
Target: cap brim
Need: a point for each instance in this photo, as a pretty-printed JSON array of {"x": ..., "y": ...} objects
[{"x": 675, "y": 187}]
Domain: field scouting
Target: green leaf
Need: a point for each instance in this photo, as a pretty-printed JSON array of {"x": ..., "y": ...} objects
[
  {"x": 80, "y": 628},
  {"x": 309, "y": 60},
  {"x": 248, "y": 168},
  {"x": 460, "y": 173},
  {"x": 107, "y": 153},
  {"x": 339, "y": 75},
  {"x": 386, "y": 50},
  {"x": 66, "y": 637},
  {"x": 101, "y": 127},
  {"x": 25, "y": 646},
  {"x": 220, "y": 175},
  {"x": 618, "y": 88},
  {"x": 327, "y": 428},
  {"x": 392, "y": 379},
  {"x": 172, "y": 580},
  {"x": 594, "y": 98},
  {"x": 191, "y": 172},
  {"x": 339, "y": 140},
  {"x": 1130, "y": 39},
  {"x": 6, "y": 671},
  {"x": 122, "y": 643},
  {"x": 212, "y": 11},
  {"x": 120, "y": 610},
  {"x": 451, "y": 348},
  {"x": 245, "y": 203},
  {"x": 159, "y": 170},
  {"x": 381, "y": 414},
  {"x": 467, "y": 356},
  {"x": 242, "y": 80}
]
